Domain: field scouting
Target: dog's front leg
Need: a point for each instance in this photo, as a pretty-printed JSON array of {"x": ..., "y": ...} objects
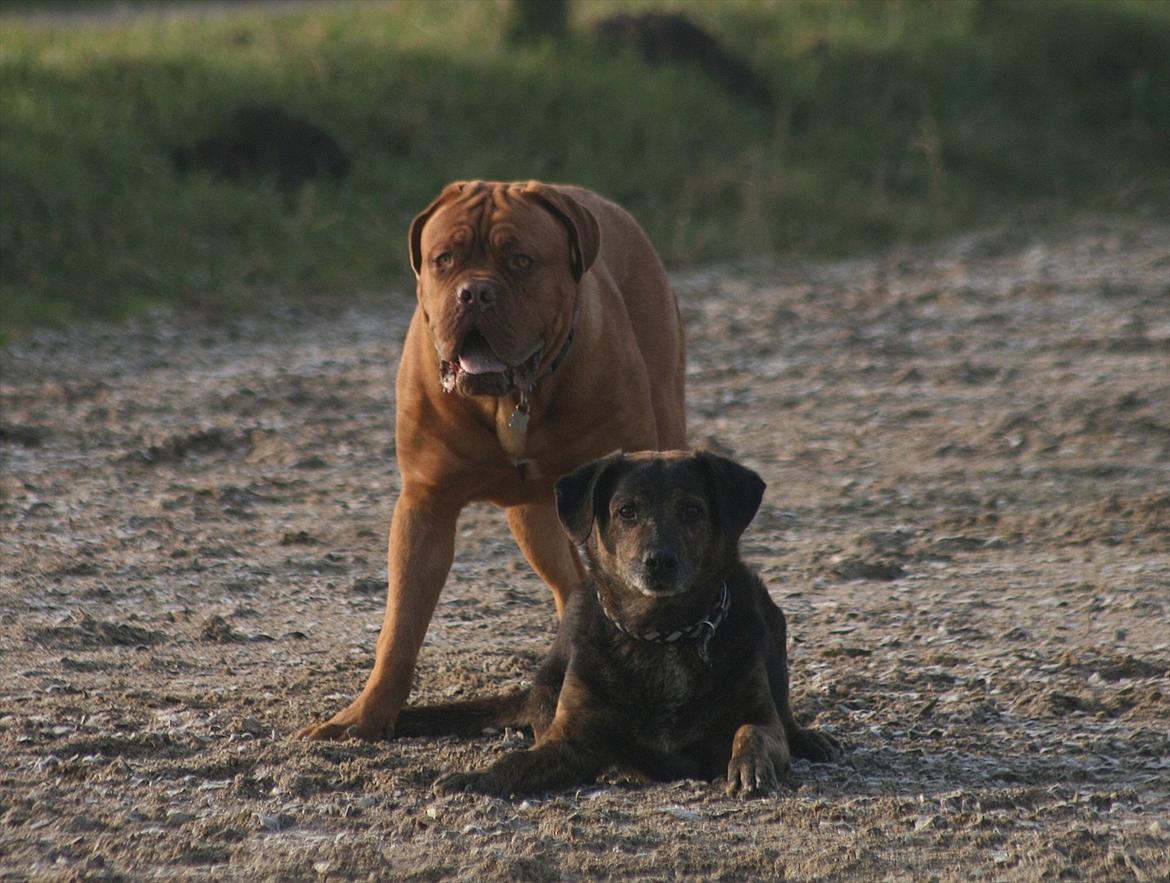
[
  {"x": 759, "y": 760},
  {"x": 422, "y": 546},
  {"x": 550, "y": 766}
]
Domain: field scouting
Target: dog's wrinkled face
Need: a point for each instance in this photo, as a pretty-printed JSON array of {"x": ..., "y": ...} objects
[
  {"x": 497, "y": 267},
  {"x": 659, "y": 524}
]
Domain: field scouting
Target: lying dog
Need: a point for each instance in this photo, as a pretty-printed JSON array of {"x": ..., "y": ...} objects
[{"x": 672, "y": 664}]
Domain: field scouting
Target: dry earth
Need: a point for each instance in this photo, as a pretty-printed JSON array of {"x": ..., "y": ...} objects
[{"x": 968, "y": 522}]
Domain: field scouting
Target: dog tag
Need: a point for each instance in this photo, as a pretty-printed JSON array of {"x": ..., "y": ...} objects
[{"x": 518, "y": 422}]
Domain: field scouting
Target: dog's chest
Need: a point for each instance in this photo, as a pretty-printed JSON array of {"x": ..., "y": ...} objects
[{"x": 670, "y": 695}]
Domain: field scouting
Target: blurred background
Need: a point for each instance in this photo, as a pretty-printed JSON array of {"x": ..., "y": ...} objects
[{"x": 215, "y": 155}]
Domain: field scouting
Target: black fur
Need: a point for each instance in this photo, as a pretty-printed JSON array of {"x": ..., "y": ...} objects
[{"x": 605, "y": 698}]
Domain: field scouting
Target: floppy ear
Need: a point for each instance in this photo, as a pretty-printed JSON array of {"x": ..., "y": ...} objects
[
  {"x": 584, "y": 233},
  {"x": 738, "y": 492},
  {"x": 420, "y": 220},
  {"x": 576, "y": 496}
]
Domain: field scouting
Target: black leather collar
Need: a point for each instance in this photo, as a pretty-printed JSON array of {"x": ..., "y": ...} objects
[
  {"x": 701, "y": 631},
  {"x": 519, "y": 419}
]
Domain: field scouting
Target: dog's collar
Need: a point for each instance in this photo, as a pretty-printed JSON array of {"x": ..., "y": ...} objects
[
  {"x": 564, "y": 351},
  {"x": 701, "y": 631},
  {"x": 519, "y": 419}
]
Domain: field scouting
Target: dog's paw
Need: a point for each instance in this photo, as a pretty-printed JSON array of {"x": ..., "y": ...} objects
[
  {"x": 816, "y": 746},
  {"x": 467, "y": 783},
  {"x": 360, "y": 720},
  {"x": 751, "y": 775}
]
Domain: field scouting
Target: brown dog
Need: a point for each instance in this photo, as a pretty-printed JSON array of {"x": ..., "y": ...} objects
[
  {"x": 672, "y": 665},
  {"x": 546, "y": 335}
]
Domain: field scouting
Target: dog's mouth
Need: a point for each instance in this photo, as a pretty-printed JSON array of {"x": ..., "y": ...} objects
[
  {"x": 478, "y": 370},
  {"x": 653, "y": 586},
  {"x": 660, "y": 590}
]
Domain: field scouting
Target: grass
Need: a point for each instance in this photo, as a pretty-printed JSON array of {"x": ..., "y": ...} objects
[{"x": 901, "y": 120}]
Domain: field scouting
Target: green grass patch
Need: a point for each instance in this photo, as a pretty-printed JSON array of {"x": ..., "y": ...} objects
[{"x": 893, "y": 121}]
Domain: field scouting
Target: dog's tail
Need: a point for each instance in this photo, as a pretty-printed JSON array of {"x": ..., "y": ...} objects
[{"x": 467, "y": 718}]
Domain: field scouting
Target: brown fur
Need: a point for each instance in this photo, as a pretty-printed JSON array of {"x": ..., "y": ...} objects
[
  {"x": 543, "y": 275},
  {"x": 660, "y": 535}
]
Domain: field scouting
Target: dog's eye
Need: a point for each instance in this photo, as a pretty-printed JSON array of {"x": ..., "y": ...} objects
[
  {"x": 692, "y": 511},
  {"x": 628, "y": 513},
  {"x": 443, "y": 260},
  {"x": 521, "y": 262}
]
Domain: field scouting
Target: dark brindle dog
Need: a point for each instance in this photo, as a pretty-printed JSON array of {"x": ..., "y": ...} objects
[{"x": 671, "y": 663}]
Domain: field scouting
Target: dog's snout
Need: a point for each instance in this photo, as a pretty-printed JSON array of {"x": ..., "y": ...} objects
[
  {"x": 660, "y": 562},
  {"x": 478, "y": 293}
]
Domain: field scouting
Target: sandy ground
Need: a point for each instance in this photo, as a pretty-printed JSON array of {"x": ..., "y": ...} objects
[{"x": 967, "y": 449}]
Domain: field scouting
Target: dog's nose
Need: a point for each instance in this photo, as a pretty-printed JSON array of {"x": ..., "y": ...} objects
[
  {"x": 479, "y": 293},
  {"x": 660, "y": 562}
]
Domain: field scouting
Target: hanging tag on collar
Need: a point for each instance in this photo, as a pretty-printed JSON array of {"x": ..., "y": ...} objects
[
  {"x": 518, "y": 422},
  {"x": 708, "y": 634}
]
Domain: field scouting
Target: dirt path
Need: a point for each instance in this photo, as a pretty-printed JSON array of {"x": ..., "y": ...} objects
[{"x": 968, "y": 522}]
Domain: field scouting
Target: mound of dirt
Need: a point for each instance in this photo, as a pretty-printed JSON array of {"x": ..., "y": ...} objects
[
  {"x": 261, "y": 141},
  {"x": 670, "y": 38}
]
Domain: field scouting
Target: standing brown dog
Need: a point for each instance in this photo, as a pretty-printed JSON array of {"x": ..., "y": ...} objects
[
  {"x": 546, "y": 335},
  {"x": 672, "y": 665}
]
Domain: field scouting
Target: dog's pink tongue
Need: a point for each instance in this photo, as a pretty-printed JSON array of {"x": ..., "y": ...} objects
[{"x": 478, "y": 360}]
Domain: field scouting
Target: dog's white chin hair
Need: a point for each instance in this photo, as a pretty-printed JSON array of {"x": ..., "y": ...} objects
[{"x": 653, "y": 592}]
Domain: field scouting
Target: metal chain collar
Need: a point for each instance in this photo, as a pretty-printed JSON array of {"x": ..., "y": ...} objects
[
  {"x": 519, "y": 419},
  {"x": 702, "y": 631}
]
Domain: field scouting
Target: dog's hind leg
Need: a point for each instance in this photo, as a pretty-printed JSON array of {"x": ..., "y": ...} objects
[
  {"x": 532, "y": 707},
  {"x": 550, "y": 766},
  {"x": 541, "y": 707},
  {"x": 467, "y": 718},
  {"x": 803, "y": 742}
]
